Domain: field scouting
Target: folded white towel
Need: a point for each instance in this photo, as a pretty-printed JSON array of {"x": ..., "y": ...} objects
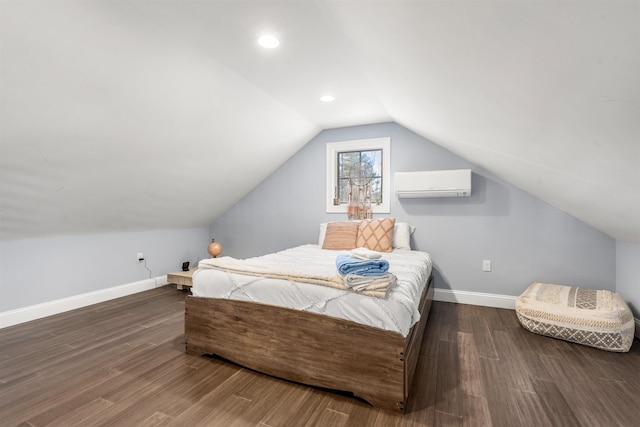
[
  {"x": 364, "y": 253},
  {"x": 372, "y": 285},
  {"x": 356, "y": 280}
]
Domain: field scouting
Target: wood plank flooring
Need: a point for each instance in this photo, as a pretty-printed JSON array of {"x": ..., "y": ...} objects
[{"x": 122, "y": 363}]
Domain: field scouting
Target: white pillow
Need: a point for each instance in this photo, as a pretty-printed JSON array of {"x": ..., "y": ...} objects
[
  {"x": 402, "y": 232},
  {"x": 323, "y": 232}
]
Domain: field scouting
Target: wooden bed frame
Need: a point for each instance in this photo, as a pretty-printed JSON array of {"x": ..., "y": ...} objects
[{"x": 309, "y": 348}]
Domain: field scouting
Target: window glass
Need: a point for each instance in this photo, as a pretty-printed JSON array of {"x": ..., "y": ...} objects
[
  {"x": 359, "y": 160},
  {"x": 359, "y": 166}
]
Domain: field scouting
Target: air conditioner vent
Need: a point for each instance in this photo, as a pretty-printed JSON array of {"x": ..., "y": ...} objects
[{"x": 442, "y": 183}]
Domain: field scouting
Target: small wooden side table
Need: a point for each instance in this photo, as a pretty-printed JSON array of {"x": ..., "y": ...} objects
[{"x": 182, "y": 278}]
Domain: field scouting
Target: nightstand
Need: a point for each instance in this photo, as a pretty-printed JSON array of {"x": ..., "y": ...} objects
[{"x": 181, "y": 278}]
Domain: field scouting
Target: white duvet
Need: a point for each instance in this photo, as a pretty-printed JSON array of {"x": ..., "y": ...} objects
[{"x": 398, "y": 312}]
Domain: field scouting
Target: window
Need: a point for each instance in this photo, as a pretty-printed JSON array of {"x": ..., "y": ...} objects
[
  {"x": 359, "y": 166},
  {"x": 353, "y": 159}
]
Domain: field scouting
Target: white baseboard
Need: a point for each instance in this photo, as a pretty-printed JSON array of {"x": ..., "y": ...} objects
[
  {"x": 38, "y": 311},
  {"x": 475, "y": 298}
]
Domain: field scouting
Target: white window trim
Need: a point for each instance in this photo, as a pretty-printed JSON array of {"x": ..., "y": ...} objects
[{"x": 333, "y": 148}]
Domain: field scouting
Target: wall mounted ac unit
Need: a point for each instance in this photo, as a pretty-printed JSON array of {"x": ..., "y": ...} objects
[{"x": 443, "y": 183}]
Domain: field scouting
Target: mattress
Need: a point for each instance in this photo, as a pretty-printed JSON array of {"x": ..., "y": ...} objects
[{"x": 397, "y": 312}]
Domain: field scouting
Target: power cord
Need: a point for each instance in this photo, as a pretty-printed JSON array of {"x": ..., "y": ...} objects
[{"x": 145, "y": 266}]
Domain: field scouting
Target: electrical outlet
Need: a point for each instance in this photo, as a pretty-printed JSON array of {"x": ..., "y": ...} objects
[
  {"x": 140, "y": 257},
  {"x": 486, "y": 265}
]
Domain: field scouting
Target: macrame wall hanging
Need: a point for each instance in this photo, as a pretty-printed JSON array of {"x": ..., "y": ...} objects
[{"x": 359, "y": 206}]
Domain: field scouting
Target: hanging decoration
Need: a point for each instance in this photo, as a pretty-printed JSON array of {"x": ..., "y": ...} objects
[{"x": 359, "y": 206}]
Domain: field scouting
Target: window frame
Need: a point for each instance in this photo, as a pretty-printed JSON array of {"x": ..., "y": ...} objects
[{"x": 333, "y": 148}]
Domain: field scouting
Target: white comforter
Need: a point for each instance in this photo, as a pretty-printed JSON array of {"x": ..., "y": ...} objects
[{"x": 398, "y": 312}]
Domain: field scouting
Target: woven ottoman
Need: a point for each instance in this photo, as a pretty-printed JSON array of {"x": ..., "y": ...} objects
[{"x": 597, "y": 318}]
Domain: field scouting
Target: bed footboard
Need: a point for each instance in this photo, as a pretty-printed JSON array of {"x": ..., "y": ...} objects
[{"x": 309, "y": 348}]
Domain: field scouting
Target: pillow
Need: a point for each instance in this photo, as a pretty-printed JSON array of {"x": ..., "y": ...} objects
[
  {"x": 402, "y": 232},
  {"x": 323, "y": 232},
  {"x": 376, "y": 234},
  {"x": 341, "y": 235}
]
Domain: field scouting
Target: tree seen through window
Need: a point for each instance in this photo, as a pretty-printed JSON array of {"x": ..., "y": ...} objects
[{"x": 358, "y": 166}]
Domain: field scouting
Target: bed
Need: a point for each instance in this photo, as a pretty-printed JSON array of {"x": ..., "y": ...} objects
[{"x": 315, "y": 334}]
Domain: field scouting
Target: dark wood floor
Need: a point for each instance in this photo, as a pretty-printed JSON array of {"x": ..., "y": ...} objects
[{"x": 122, "y": 363}]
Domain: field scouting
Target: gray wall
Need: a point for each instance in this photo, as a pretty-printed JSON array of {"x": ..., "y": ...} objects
[
  {"x": 525, "y": 238},
  {"x": 628, "y": 274},
  {"x": 35, "y": 271}
]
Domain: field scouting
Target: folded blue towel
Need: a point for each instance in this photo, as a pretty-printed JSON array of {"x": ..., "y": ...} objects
[{"x": 370, "y": 267}]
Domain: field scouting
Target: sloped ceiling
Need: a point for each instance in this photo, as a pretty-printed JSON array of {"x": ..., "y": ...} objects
[{"x": 136, "y": 115}]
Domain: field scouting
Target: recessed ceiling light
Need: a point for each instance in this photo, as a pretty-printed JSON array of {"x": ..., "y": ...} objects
[
  {"x": 327, "y": 98},
  {"x": 268, "y": 42}
]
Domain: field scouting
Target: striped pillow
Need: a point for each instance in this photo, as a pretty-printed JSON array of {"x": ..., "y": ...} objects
[{"x": 341, "y": 235}]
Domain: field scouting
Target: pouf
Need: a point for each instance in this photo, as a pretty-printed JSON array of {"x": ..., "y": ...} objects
[{"x": 597, "y": 318}]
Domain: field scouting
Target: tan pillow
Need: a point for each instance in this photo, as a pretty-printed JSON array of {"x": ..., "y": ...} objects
[
  {"x": 341, "y": 235},
  {"x": 376, "y": 234}
]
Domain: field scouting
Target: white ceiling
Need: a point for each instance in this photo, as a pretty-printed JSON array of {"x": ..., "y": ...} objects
[{"x": 118, "y": 115}]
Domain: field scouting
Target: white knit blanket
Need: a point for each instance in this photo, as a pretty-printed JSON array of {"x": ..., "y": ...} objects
[{"x": 284, "y": 267}]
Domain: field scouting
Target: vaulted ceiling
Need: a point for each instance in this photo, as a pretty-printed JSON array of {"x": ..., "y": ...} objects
[{"x": 119, "y": 115}]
